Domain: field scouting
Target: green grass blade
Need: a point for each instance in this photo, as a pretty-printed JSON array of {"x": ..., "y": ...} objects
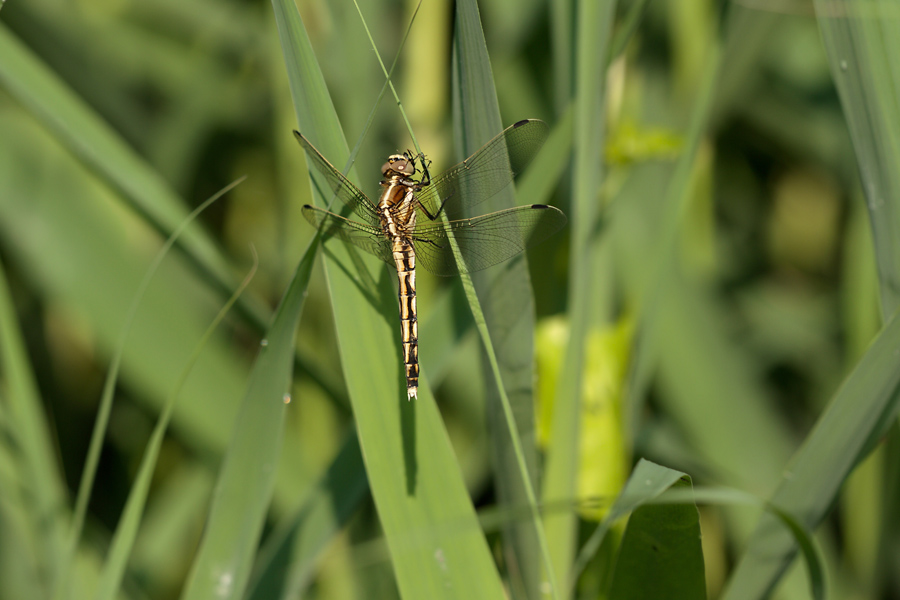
[
  {"x": 30, "y": 447},
  {"x": 812, "y": 555},
  {"x": 855, "y": 419},
  {"x": 99, "y": 148},
  {"x": 594, "y": 26},
  {"x": 502, "y": 303},
  {"x": 127, "y": 529},
  {"x": 244, "y": 487},
  {"x": 288, "y": 561},
  {"x": 676, "y": 201},
  {"x": 436, "y": 544},
  {"x": 562, "y": 23},
  {"x": 862, "y": 45}
]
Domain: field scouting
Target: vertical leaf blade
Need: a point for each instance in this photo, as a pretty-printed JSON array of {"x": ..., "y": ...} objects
[
  {"x": 593, "y": 31},
  {"x": 436, "y": 544},
  {"x": 244, "y": 488}
]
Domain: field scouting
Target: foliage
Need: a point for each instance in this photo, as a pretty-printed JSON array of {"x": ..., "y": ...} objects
[{"x": 722, "y": 303}]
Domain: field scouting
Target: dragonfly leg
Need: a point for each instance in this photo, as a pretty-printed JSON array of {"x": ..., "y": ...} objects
[{"x": 426, "y": 174}]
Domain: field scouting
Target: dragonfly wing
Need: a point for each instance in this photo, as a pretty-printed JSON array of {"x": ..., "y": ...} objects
[
  {"x": 486, "y": 172},
  {"x": 339, "y": 185},
  {"x": 363, "y": 236},
  {"x": 484, "y": 241}
]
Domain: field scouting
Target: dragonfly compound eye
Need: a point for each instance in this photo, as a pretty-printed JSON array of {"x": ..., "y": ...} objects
[
  {"x": 398, "y": 164},
  {"x": 393, "y": 163}
]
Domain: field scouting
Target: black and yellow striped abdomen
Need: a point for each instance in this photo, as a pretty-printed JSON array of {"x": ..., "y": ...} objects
[
  {"x": 398, "y": 217},
  {"x": 409, "y": 326}
]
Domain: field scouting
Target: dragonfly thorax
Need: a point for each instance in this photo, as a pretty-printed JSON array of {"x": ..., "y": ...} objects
[{"x": 398, "y": 165}]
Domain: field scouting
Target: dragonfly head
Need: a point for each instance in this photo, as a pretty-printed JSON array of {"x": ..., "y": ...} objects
[{"x": 398, "y": 164}]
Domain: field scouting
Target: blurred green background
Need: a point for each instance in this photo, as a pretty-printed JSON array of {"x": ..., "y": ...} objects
[{"x": 735, "y": 260}]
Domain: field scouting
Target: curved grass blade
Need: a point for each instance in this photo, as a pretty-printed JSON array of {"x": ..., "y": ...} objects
[
  {"x": 126, "y": 531},
  {"x": 858, "y": 415},
  {"x": 646, "y": 482},
  {"x": 861, "y": 46},
  {"x": 102, "y": 420},
  {"x": 435, "y": 541}
]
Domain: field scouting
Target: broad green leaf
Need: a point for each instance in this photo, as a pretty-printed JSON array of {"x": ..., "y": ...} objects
[{"x": 660, "y": 554}]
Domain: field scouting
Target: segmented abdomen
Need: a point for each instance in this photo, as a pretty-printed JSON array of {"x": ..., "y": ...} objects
[{"x": 405, "y": 259}]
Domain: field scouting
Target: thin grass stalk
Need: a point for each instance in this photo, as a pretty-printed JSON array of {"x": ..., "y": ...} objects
[
  {"x": 593, "y": 38},
  {"x": 127, "y": 529}
]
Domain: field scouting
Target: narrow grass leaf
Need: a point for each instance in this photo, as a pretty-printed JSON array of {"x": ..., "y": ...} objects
[
  {"x": 854, "y": 421},
  {"x": 98, "y": 147},
  {"x": 287, "y": 562},
  {"x": 436, "y": 544},
  {"x": 29, "y": 444},
  {"x": 625, "y": 31},
  {"x": 562, "y": 35},
  {"x": 863, "y": 41},
  {"x": 502, "y": 303},
  {"x": 676, "y": 201},
  {"x": 244, "y": 487},
  {"x": 594, "y": 27}
]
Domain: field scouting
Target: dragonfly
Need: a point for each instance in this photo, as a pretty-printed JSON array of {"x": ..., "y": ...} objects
[{"x": 420, "y": 219}]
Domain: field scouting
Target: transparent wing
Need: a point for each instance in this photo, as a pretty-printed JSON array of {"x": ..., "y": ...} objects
[
  {"x": 368, "y": 238},
  {"x": 342, "y": 187},
  {"x": 486, "y": 172},
  {"x": 484, "y": 241}
]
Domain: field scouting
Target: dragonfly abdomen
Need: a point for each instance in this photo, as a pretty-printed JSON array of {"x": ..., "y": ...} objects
[{"x": 405, "y": 259}]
